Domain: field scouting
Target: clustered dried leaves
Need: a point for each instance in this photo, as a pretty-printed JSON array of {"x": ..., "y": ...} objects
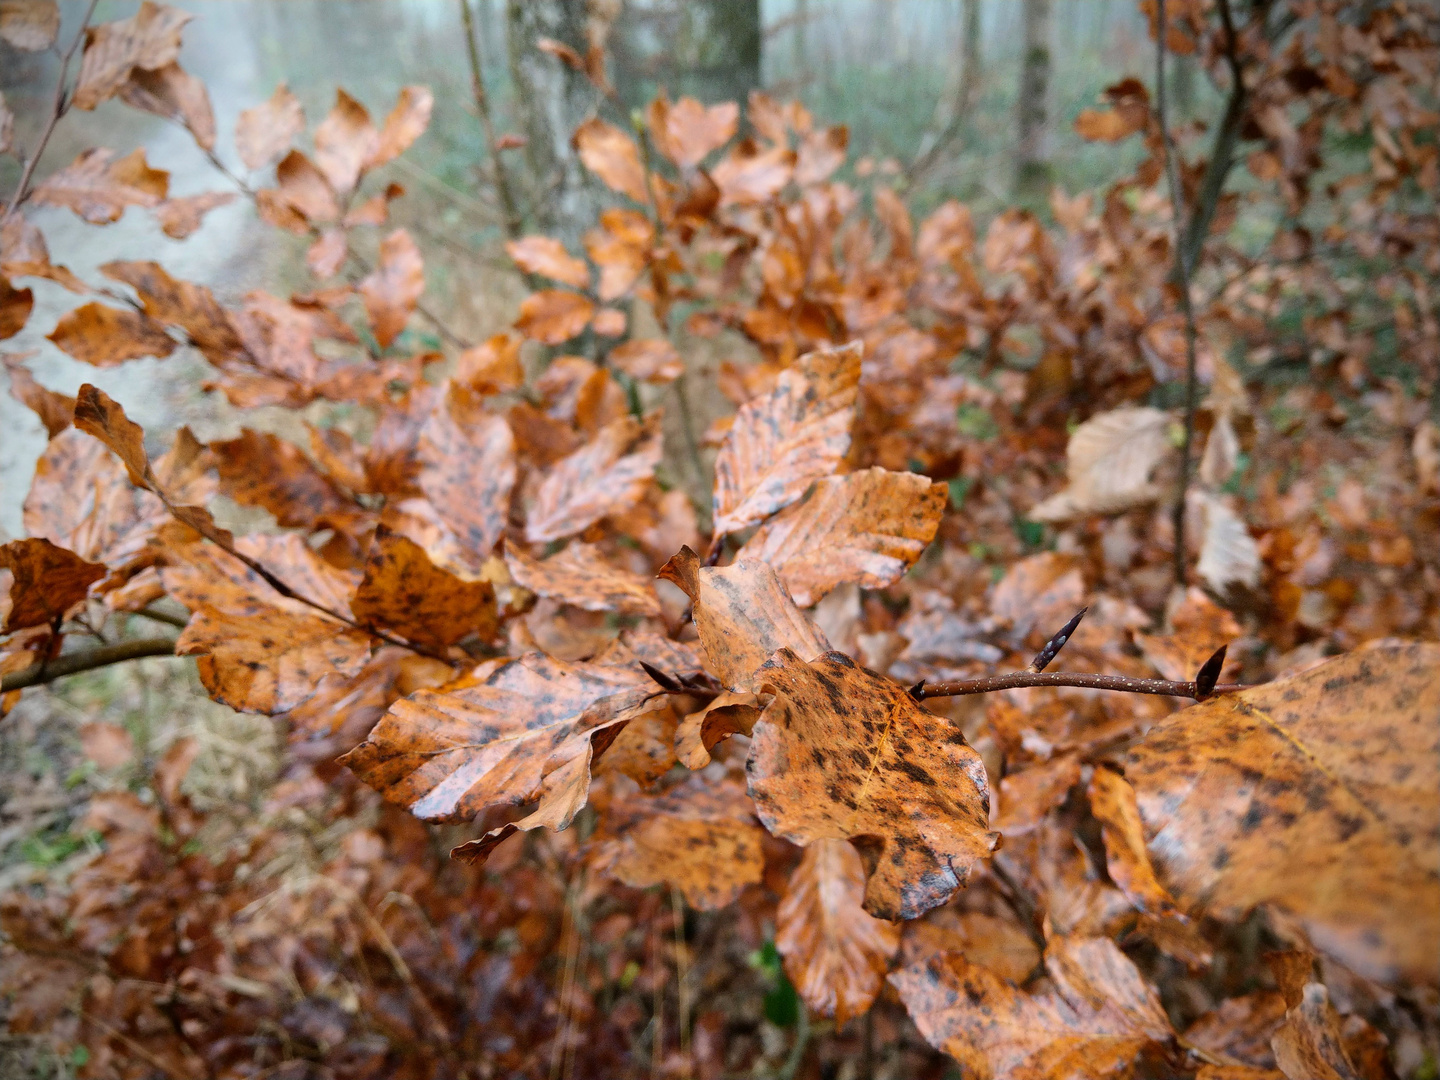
[{"x": 462, "y": 612}]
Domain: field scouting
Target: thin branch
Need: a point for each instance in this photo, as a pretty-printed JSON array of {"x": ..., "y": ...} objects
[
  {"x": 1182, "y": 273},
  {"x": 73, "y": 663},
  {"x": 59, "y": 106},
  {"x": 514, "y": 225},
  {"x": 181, "y": 621},
  {"x": 1085, "y": 680}
]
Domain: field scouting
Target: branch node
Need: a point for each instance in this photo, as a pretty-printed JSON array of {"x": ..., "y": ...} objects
[{"x": 1209, "y": 674}]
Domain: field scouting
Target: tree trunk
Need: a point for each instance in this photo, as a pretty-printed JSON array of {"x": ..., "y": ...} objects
[
  {"x": 551, "y": 99},
  {"x": 1032, "y": 164}
]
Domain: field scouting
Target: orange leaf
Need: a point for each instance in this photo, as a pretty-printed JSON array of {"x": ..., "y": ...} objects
[
  {"x": 607, "y": 475},
  {"x": 191, "y": 307},
  {"x": 548, "y": 257},
  {"x": 394, "y": 288},
  {"x": 579, "y": 575},
  {"x": 101, "y": 416},
  {"x": 405, "y": 592},
  {"x": 748, "y": 176},
  {"x": 999, "y": 944},
  {"x": 784, "y": 441},
  {"x": 148, "y": 40},
  {"x": 260, "y": 469},
  {"x": 553, "y": 316},
  {"x": 652, "y": 360},
  {"x": 48, "y": 581},
  {"x": 15, "y": 307},
  {"x": 344, "y": 141},
  {"x": 835, "y": 953},
  {"x": 491, "y": 367},
  {"x": 54, "y": 410},
  {"x": 406, "y": 123},
  {"x": 821, "y": 153},
  {"x": 264, "y": 133},
  {"x": 175, "y": 94},
  {"x": 611, "y": 155},
  {"x": 106, "y": 336},
  {"x": 842, "y": 753},
  {"x": 98, "y": 190},
  {"x": 867, "y": 527},
  {"x": 467, "y": 468},
  {"x": 180, "y": 217},
  {"x": 687, "y": 131}
]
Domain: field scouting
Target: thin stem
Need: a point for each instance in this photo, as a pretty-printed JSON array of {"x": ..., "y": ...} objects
[
  {"x": 1085, "y": 680},
  {"x": 514, "y": 225},
  {"x": 73, "y": 663},
  {"x": 180, "y": 621},
  {"x": 59, "y": 106}
]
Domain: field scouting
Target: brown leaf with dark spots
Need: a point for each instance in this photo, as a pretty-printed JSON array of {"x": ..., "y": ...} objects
[
  {"x": 645, "y": 748},
  {"x": 1039, "y": 594},
  {"x": 700, "y": 837},
  {"x": 446, "y": 755},
  {"x": 394, "y": 288},
  {"x": 180, "y": 217},
  {"x": 1096, "y": 1021},
  {"x": 700, "y": 732},
  {"x": 104, "y": 336},
  {"x": 29, "y": 24},
  {"x": 467, "y": 468},
  {"x": 1283, "y": 794},
  {"x": 48, "y": 581},
  {"x": 98, "y": 189},
  {"x": 148, "y": 40},
  {"x": 843, "y": 754},
  {"x": 1309, "y": 1045},
  {"x": 1001, "y": 945},
  {"x": 406, "y": 123},
  {"x": 835, "y": 953},
  {"x": 1198, "y": 626},
  {"x": 491, "y": 367},
  {"x": 612, "y": 156},
  {"x": 553, "y": 316},
  {"x": 607, "y": 475},
  {"x": 546, "y": 256},
  {"x": 344, "y": 141},
  {"x": 264, "y": 133},
  {"x": 581, "y": 576},
  {"x": 404, "y": 592},
  {"x": 652, "y": 360},
  {"x": 15, "y": 307},
  {"x": 786, "y": 440},
  {"x": 867, "y": 527},
  {"x": 100, "y": 415},
  {"x": 261, "y": 469},
  {"x": 743, "y": 614},
  {"x": 1112, "y": 801},
  {"x": 54, "y": 410},
  {"x": 191, "y": 307},
  {"x": 1241, "y": 1028}
]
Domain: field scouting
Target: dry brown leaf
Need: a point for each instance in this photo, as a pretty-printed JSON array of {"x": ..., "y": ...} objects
[
  {"x": 782, "y": 442},
  {"x": 652, "y": 360},
  {"x": 394, "y": 288},
  {"x": 1229, "y": 556},
  {"x": 264, "y": 133},
  {"x": 1309, "y": 1045},
  {"x": 98, "y": 189},
  {"x": 844, "y": 754},
  {"x": 304, "y": 196},
  {"x": 1108, "y": 462},
  {"x": 180, "y": 217},
  {"x": 1039, "y": 594},
  {"x": 175, "y": 94},
  {"x": 29, "y": 24},
  {"x": 645, "y": 748},
  {"x": 15, "y": 307},
  {"x": 687, "y": 131},
  {"x": 867, "y": 527},
  {"x": 607, "y": 475},
  {"x": 1281, "y": 795},
  {"x": 1241, "y": 1028},
  {"x": 105, "y": 336},
  {"x": 612, "y": 156},
  {"x": 553, "y": 316},
  {"x": 54, "y": 410},
  {"x": 446, "y": 755},
  {"x": 261, "y": 469},
  {"x": 1104, "y": 125},
  {"x": 1026, "y": 797},
  {"x": 467, "y": 468},
  {"x": 700, "y": 837},
  {"x": 1198, "y": 626},
  {"x": 1000, "y": 945},
  {"x": 327, "y": 255},
  {"x": 821, "y": 153},
  {"x": 749, "y": 176},
  {"x": 547, "y": 256},
  {"x": 581, "y": 576},
  {"x": 191, "y": 307},
  {"x": 98, "y": 414},
  {"x": 404, "y": 592},
  {"x": 491, "y": 367},
  {"x": 835, "y": 953},
  {"x": 1095, "y": 1022},
  {"x": 1112, "y": 801},
  {"x": 743, "y": 615},
  {"x": 47, "y": 581},
  {"x": 344, "y": 141},
  {"x": 148, "y": 40},
  {"x": 700, "y": 732},
  {"x": 406, "y": 123},
  {"x": 109, "y": 746},
  {"x": 619, "y": 248}
]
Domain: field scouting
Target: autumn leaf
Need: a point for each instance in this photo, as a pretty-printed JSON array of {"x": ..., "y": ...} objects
[
  {"x": 687, "y": 131},
  {"x": 491, "y": 367},
  {"x": 344, "y": 141},
  {"x": 652, "y": 360},
  {"x": 612, "y": 156},
  {"x": 749, "y": 176},
  {"x": 547, "y": 257},
  {"x": 394, "y": 288},
  {"x": 105, "y": 336},
  {"x": 843, "y": 754},
  {"x": 1098, "y": 1018},
  {"x": 173, "y": 93},
  {"x": 98, "y": 189},
  {"x": 607, "y": 475},
  {"x": 406, "y": 123},
  {"x": 100, "y": 415},
  {"x": 260, "y": 469},
  {"x": 581, "y": 576},
  {"x": 264, "y": 133},
  {"x": 48, "y": 581},
  {"x": 15, "y": 307},
  {"x": 405, "y": 592},
  {"x": 699, "y": 837},
  {"x": 553, "y": 316},
  {"x": 619, "y": 247},
  {"x": 303, "y": 196},
  {"x": 998, "y": 944},
  {"x": 1198, "y": 626},
  {"x": 29, "y": 24},
  {"x": 1265, "y": 796},
  {"x": 821, "y": 153},
  {"x": 148, "y": 40},
  {"x": 180, "y": 217},
  {"x": 782, "y": 442},
  {"x": 54, "y": 410},
  {"x": 467, "y": 468},
  {"x": 191, "y": 307},
  {"x": 867, "y": 527},
  {"x": 1229, "y": 556},
  {"x": 1109, "y": 462},
  {"x": 835, "y": 953}
]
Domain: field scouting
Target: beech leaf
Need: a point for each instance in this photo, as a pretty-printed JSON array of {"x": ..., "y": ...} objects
[
  {"x": 581, "y": 576},
  {"x": 607, "y": 475},
  {"x": 98, "y": 188},
  {"x": 547, "y": 257},
  {"x": 405, "y": 592},
  {"x": 264, "y": 133},
  {"x": 148, "y": 40},
  {"x": 553, "y": 316},
  {"x": 467, "y": 468},
  {"x": 48, "y": 581},
  {"x": 612, "y": 156},
  {"x": 394, "y": 288},
  {"x": 1109, "y": 462}
]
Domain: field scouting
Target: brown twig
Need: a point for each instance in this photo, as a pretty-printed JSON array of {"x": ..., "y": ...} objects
[
  {"x": 74, "y": 663},
  {"x": 1085, "y": 680},
  {"x": 1182, "y": 274},
  {"x": 514, "y": 224},
  {"x": 59, "y": 106}
]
